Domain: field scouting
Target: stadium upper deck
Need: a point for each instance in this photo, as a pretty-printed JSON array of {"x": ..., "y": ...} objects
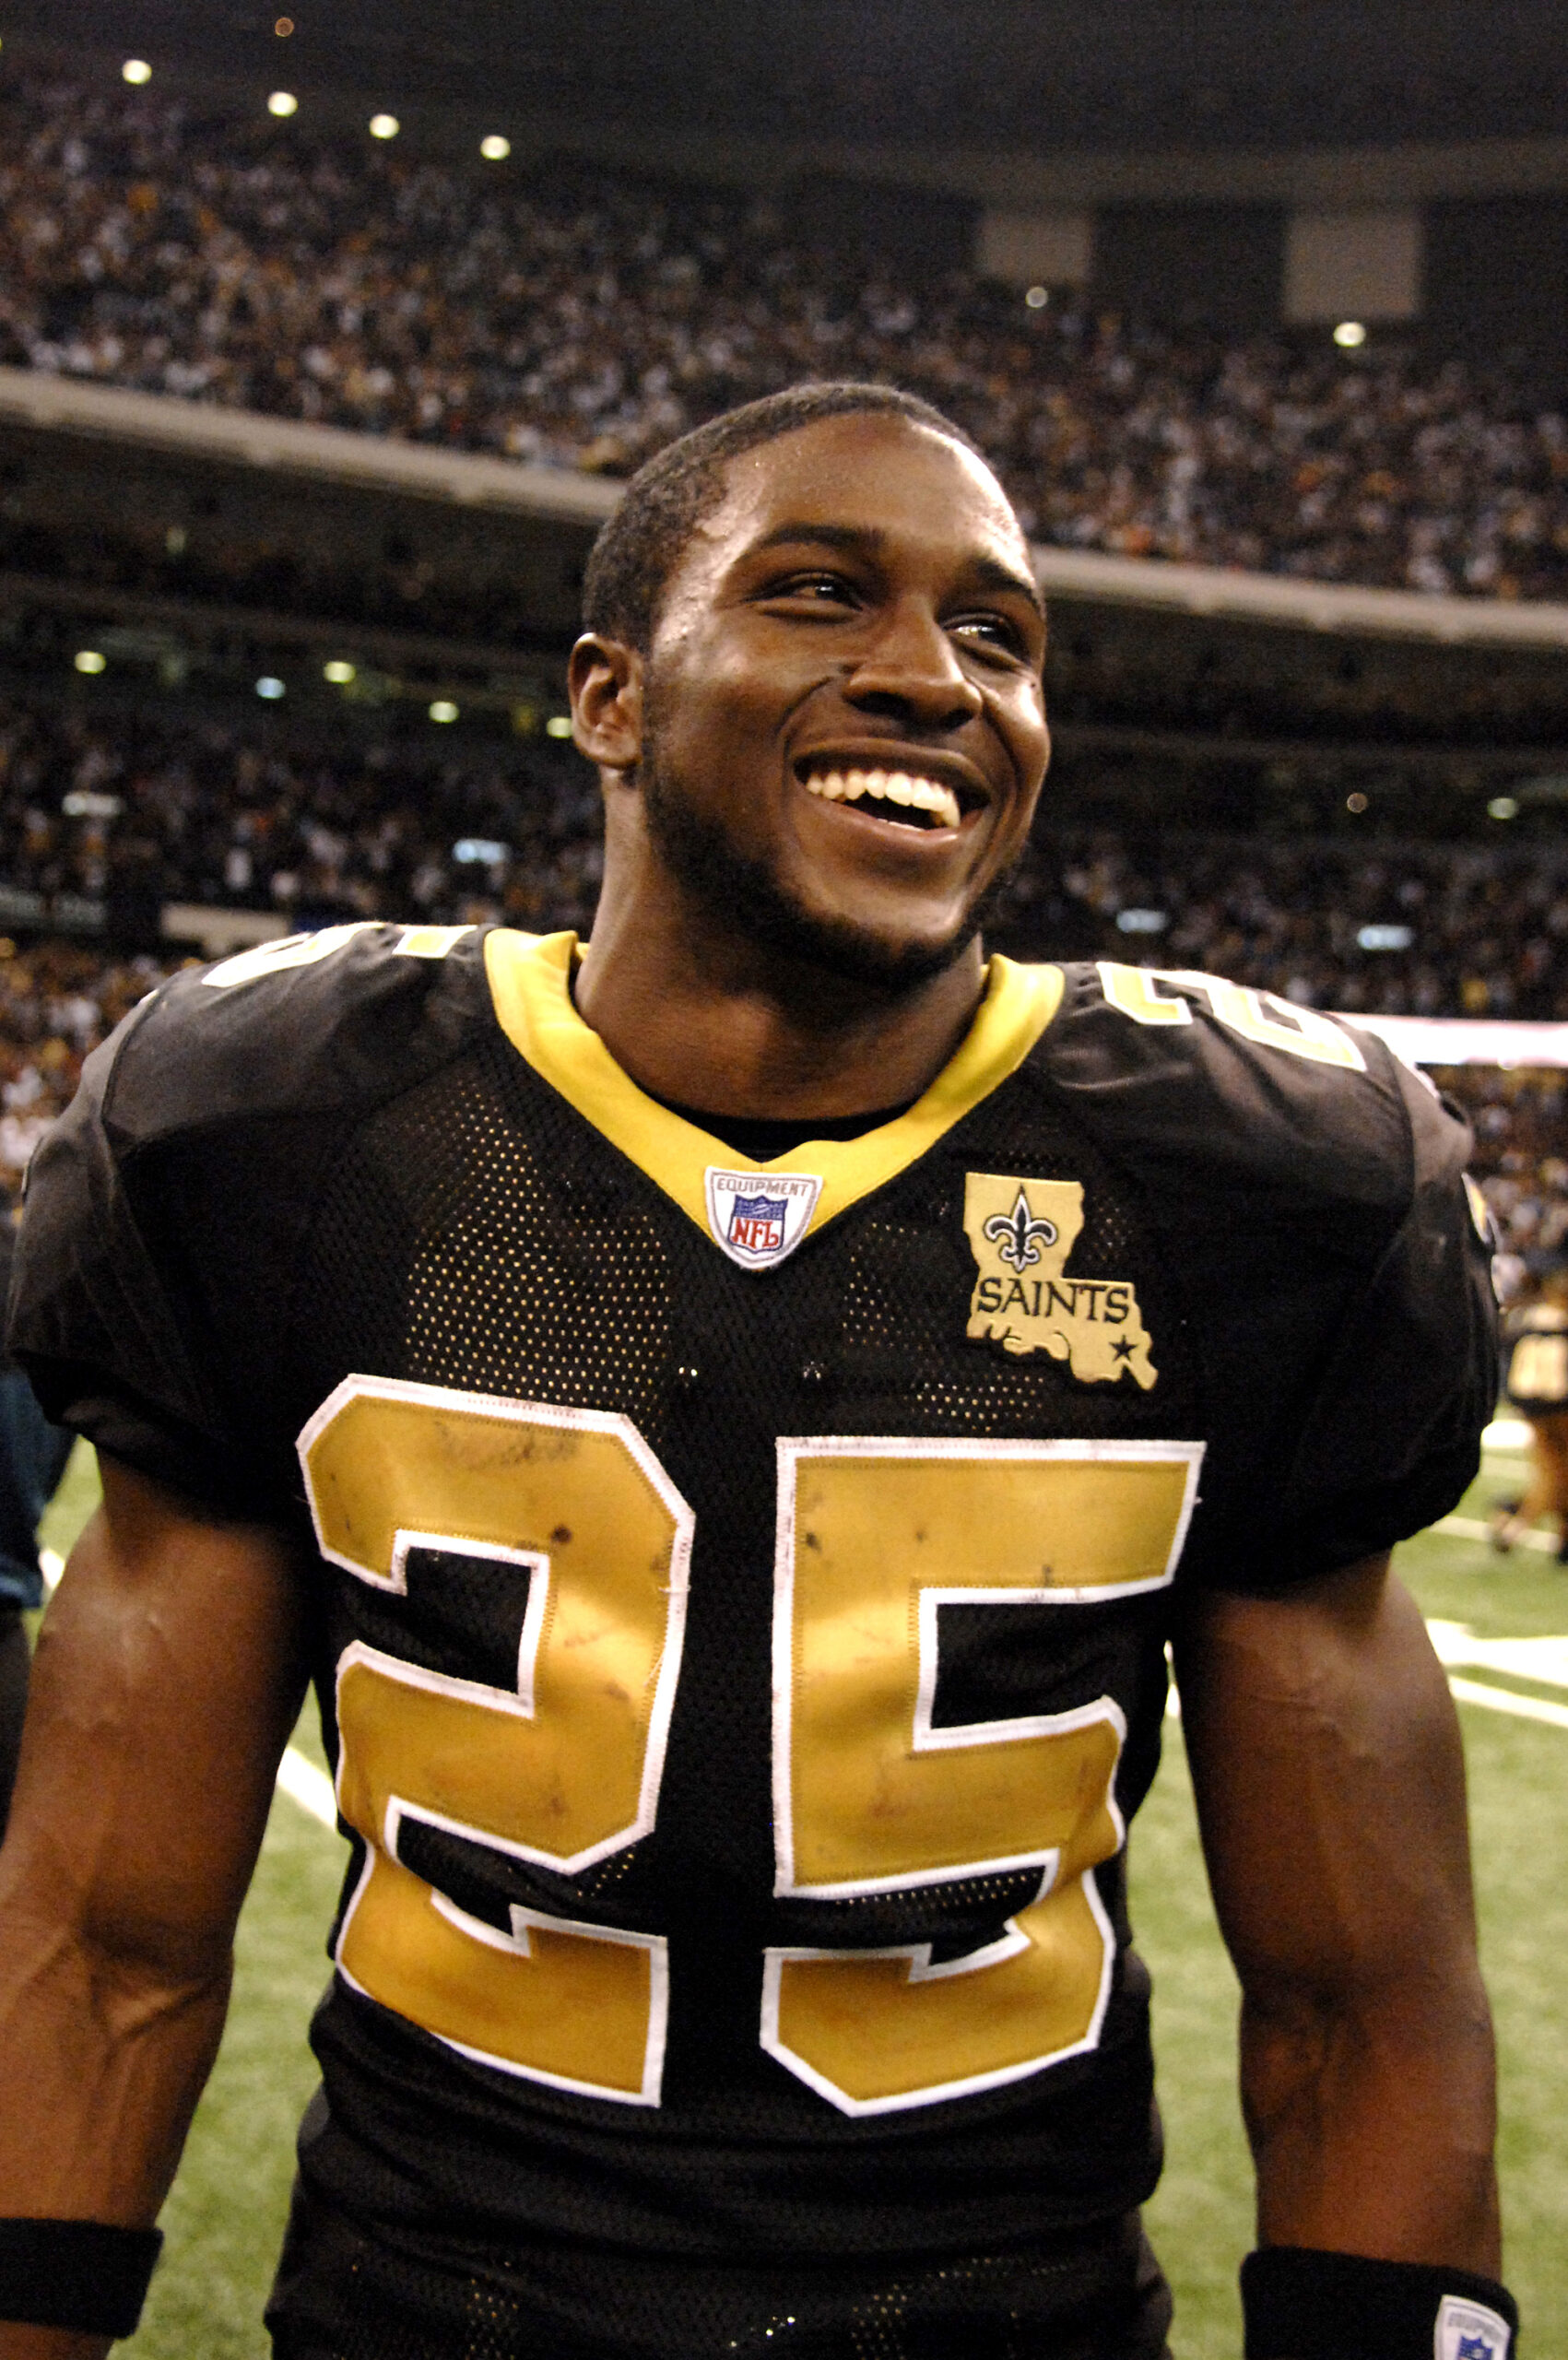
[{"x": 580, "y": 318}]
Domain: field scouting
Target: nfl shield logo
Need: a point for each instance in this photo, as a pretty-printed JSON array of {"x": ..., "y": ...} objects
[
  {"x": 757, "y": 1223},
  {"x": 1469, "y": 2330},
  {"x": 759, "y": 1218}
]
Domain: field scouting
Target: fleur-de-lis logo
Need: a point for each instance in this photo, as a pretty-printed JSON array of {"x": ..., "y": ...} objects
[{"x": 1018, "y": 1235}]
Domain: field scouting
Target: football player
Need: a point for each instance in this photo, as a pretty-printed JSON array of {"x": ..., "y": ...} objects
[
  {"x": 1536, "y": 1385},
  {"x": 729, "y": 1416}
]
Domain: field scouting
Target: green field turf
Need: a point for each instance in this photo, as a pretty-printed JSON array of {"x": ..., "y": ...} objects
[{"x": 225, "y": 2215}]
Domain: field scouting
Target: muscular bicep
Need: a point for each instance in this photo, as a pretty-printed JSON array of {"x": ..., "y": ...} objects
[
  {"x": 1329, "y": 1777},
  {"x": 168, "y": 1672}
]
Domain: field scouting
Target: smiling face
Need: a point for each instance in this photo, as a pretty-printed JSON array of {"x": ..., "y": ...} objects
[{"x": 842, "y": 728}]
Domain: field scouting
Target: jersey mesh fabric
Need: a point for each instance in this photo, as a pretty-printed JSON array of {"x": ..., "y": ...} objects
[
  {"x": 1097, "y": 2294},
  {"x": 479, "y": 1233}
]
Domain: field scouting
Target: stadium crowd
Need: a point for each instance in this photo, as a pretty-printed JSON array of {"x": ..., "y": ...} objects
[
  {"x": 1520, "y": 1120},
  {"x": 119, "y": 814},
  {"x": 581, "y": 320}
]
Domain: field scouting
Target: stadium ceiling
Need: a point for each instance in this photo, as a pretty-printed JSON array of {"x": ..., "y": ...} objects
[{"x": 1043, "y": 78}]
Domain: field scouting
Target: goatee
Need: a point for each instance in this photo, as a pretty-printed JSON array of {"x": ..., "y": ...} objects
[{"x": 743, "y": 892}]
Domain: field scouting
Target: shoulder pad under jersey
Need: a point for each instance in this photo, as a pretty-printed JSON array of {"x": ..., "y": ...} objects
[
  {"x": 1196, "y": 1075},
  {"x": 311, "y": 1022}
]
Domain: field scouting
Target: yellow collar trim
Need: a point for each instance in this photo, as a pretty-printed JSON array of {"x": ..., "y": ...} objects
[{"x": 530, "y": 985}]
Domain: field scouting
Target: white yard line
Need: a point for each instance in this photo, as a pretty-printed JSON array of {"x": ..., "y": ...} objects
[
  {"x": 310, "y": 1787},
  {"x": 1504, "y": 1700}
]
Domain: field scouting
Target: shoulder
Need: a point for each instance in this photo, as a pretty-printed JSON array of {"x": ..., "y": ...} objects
[
  {"x": 1183, "y": 1072},
  {"x": 313, "y": 1023}
]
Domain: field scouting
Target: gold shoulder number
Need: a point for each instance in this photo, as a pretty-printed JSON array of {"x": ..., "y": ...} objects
[
  {"x": 309, "y": 949},
  {"x": 1162, "y": 995}
]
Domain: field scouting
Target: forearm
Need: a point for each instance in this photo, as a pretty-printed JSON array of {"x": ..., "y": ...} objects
[
  {"x": 1372, "y": 2118},
  {"x": 101, "y": 2061}
]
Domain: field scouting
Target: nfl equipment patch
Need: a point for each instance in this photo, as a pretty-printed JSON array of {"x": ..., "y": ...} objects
[
  {"x": 1022, "y": 1232},
  {"x": 759, "y": 1218},
  {"x": 1469, "y": 2330}
]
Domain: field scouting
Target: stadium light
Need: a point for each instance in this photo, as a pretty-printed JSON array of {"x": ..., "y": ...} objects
[
  {"x": 284, "y": 27},
  {"x": 495, "y": 149},
  {"x": 136, "y": 70},
  {"x": 443, "y": 710},
  {"x": 558, "y": 725},
  {"x": 1349, "y": 335},
  {"x": 1037, "y": 298},
  {"x": 90, "y": 660},
  {"x": 385, "y": 126},
  {"x": 1502, "y": 807},
  {"x": 269, "y": 687},
  {"x": 1356, "y": 802},
  {"x": 283, "y": 102},
  {"x": 1385, "y": 937},
  {"x": 338, "y": 672}
]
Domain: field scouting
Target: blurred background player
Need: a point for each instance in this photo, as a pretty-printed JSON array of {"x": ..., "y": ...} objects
[{"x": 1536, "y": 1381}]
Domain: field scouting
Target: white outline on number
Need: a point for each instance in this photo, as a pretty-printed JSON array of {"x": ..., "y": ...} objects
[
  {"x": 453, "y": 1401},
  {"x": 792, "y": 1450},
  {"x": 924, "y": 1739}
]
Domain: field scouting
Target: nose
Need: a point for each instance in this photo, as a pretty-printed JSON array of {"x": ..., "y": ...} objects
[{"x": 911, "y": 673}]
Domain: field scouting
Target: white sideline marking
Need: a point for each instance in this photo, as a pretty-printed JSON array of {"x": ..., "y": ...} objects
[
  {"x": 50, "y": 1565},
  {"x": 1504, "y": 1700},
  {"x": 310, "y": 1787},
  {"x": 1507, "y": 1434},
  {"x": 1544, "y": 1661},
  {"x": 1470, "y": 1528}
]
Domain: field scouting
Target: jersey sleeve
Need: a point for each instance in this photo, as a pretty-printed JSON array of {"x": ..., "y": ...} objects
[
  {"x": 99, "y": 1326},
  {"x": 1389, "y": 1438},
  {"x": 157, "y": 1283},
  {"x": 1310, "y": 1193}
]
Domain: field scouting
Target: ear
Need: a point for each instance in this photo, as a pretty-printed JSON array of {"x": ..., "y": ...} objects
[{"x": 605, "y": 678}]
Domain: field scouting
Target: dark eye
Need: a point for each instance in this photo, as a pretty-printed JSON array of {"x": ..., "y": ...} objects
[
  {"x": 820, "y": 586},
  {"x": 989, "y": 631}
]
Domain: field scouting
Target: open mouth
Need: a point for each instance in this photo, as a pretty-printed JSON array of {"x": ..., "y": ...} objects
[{"x": 905, "y": 798}]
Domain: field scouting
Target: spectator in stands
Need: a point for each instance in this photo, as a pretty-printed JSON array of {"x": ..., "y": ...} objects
[{"x": 583, "y": 320}]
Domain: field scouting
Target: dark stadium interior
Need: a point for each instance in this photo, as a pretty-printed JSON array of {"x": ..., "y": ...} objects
[{"x": 1029, "y": 73}]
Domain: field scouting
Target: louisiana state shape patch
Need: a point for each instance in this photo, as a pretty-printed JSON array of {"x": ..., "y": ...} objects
[{"x": 1023, "y": 1234}]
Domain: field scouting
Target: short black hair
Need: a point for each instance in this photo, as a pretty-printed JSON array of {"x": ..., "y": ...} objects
[{"x": 642, "y": 540}]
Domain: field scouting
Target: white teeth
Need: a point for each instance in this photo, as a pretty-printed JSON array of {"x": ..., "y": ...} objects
[{"x": 887, "y": 787}]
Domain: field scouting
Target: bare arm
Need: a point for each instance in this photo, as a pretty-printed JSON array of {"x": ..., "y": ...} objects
[
  {"x": 1330, "y": 1788},
  {"x": 168, "y": 1674}
]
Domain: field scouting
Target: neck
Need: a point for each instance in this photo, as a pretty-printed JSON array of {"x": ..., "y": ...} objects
[{"x": 695, "y": 1013}]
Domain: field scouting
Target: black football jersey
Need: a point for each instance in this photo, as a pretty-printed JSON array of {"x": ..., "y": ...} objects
[{"x": 741, "y": 1591}]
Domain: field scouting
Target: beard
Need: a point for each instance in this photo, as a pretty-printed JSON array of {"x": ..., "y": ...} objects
[{"x": 742, "y": 892}]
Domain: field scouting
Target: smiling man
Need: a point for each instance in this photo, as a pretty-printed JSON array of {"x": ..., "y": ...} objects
[{"x": 729, "y": 1418}]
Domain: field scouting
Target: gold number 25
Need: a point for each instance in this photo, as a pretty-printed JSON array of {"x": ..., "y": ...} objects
[{"x": 872, "y": 1795}]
